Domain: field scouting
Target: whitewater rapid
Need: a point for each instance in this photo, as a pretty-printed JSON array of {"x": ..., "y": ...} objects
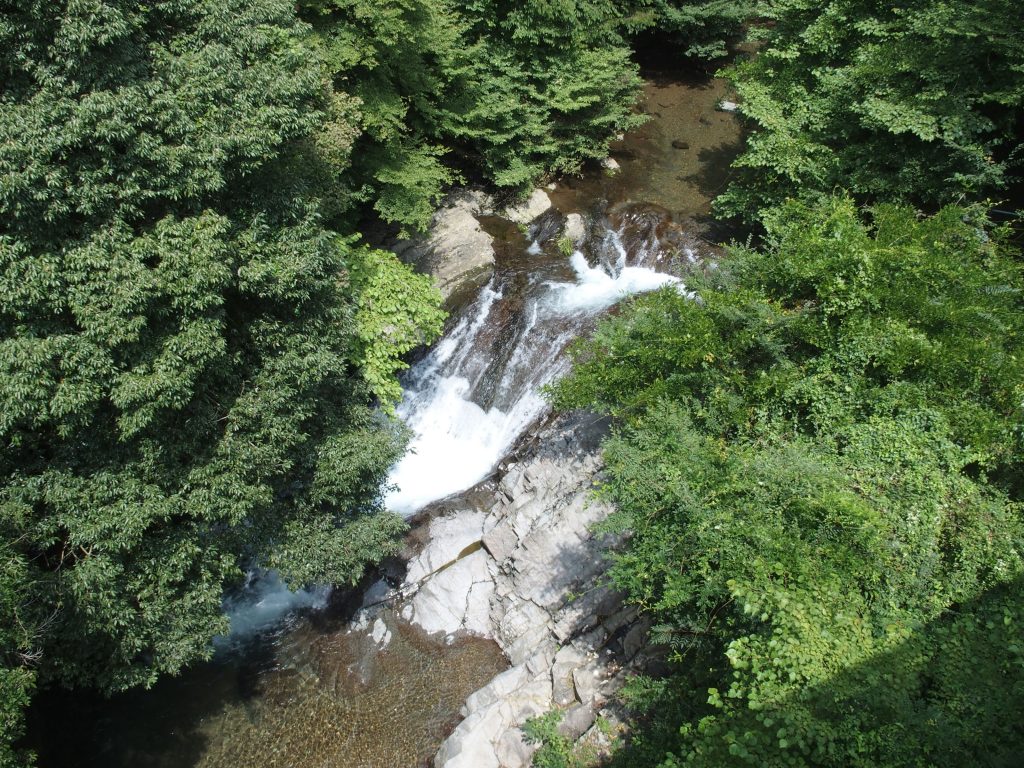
[{"x": 467, "y": 401}]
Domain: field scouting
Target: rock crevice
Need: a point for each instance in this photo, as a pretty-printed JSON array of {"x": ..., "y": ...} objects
[{"x": 535, "y": 584}]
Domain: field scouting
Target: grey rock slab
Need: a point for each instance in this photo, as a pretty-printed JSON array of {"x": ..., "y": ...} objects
[
  {"x": 634, "y": 640},
  {"x": 512, "y": 750},
  {"x": 456, "y": 252},
  {"x": 456, "y": 597},
  {"x": 576, "y": 721},
  {"x": 523, "y": 213},
  {"x": 586, "y": 686},
  {"x": 501, "y": 541},
  {"x": 450, "y": 536}
]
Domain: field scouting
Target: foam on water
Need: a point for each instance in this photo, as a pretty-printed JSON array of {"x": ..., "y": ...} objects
[
  {"x": 457, "y": 438},
  {"x": 597, "y": 290},
  {"x": 263, "y": 602},
  {"x": 456, "y": 443}
]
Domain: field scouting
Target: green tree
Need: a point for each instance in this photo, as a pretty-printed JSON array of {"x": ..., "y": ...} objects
[
  {"x": 549, "y": 84},
  {"x": 916, "y": 101},
  {"x": 819, "y": 463},
  {"x": 503, "y": 91},
  {"x": 186, "y": 379},
  {"x": 702, "y": 30},
  {"x": 393, "y": 62}
]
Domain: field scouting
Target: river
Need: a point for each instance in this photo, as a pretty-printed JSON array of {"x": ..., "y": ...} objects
[{"x": 296, "y": 684}]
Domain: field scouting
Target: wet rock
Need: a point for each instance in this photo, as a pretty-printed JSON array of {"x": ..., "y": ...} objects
[
  {"x": 680, "y": 144},
  {"x": 575, "y": 228},
  {"x": 456, "y": 251},
  {"x": 523, "y": 213},
  {"x": 381, "y": 634},
  {"x": 610, "y": 165}
]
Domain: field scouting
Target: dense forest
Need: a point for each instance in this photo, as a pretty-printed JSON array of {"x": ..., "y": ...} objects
[{"x": 818, "y": 462}]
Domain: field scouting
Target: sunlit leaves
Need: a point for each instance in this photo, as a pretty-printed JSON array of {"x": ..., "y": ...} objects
[
  {"x": 819, "y": 464},
  {"x": 891, "y": 103}
]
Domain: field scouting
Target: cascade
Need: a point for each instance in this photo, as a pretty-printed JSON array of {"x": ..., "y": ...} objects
[{"x": 479, "y": 388}]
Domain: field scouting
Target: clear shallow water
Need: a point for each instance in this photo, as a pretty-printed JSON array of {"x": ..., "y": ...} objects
[
  {"x": 301, "y": 698},
  {"x": 293, "y": 686}
]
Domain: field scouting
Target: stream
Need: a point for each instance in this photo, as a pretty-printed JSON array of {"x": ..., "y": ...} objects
[{"x": 296, "y": 683}]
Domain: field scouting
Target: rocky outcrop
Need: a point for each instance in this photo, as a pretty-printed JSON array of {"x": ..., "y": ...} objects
[
  {"x": 575, "y": 229},
  {"x": 456, "y": 252},
  {"x": 527, "y": 570},
  {"x": 523, "y": 213}
]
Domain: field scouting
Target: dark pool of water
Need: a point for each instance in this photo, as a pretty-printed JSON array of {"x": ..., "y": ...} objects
[{"x": 304, "y": 698}]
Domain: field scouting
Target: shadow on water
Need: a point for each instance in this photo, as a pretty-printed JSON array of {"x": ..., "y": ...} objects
[
  {"x": 301, "y": 697},
  {"x": 164, "y": 727}
]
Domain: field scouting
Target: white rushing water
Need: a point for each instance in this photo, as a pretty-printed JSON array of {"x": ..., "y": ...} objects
[
  {"x": 478, "y": 390},
  {"x": 262, "y": 602}
]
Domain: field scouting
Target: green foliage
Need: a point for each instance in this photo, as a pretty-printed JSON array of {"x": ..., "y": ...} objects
[
  {"x": 394, "y": 61},
  {"x": 508, "y": 91},
  {"x": 555, "y": 749},
  {"x": 917, "y": 101},
  {"x": 548, "y": 85},
  {"x": 397, "y": 311},
  {"x": 180, "y": 334},
  {"x": 16, "y": 650},
  {"x": 701, "y": 29},
  {"x": 818, "y": 463}
]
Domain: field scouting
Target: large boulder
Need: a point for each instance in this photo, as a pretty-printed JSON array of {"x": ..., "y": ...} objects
[
  {"x": 523, "y": 213},
  {"x": 575, "y": 229},
  {"x": 456, "y": 251}
]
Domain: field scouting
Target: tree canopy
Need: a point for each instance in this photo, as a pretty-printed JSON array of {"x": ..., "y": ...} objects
[
  {"x": 920, "y": 102},
  {"x": 820, "y": 465},
  {"x": 197, "y": 349},
  {"x": 187, "y": 373}
]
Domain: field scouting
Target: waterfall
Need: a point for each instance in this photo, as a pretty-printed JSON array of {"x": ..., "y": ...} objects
[{"x": 478, "y": 389}]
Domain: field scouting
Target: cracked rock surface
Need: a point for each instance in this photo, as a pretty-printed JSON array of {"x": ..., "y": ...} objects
[{"x": 527, "y": 570}]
